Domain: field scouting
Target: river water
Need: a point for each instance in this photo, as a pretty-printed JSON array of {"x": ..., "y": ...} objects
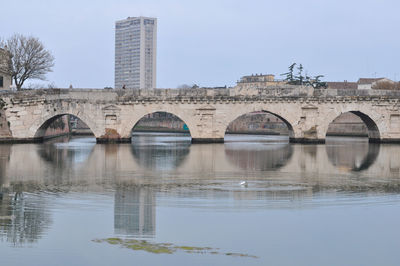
[{"x": 284, "y": 204}]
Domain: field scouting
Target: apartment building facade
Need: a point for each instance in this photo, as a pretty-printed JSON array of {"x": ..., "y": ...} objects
[{"x": 135, "y": 53}]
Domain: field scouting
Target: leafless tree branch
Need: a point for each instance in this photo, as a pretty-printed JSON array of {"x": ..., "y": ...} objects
[{"x": 29, "y": 59}]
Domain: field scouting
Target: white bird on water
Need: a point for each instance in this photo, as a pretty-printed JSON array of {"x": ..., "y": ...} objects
[{"x": 243, "y": 183}]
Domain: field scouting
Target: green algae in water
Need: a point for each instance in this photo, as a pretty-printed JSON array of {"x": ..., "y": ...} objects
[
  {"x": 193, "y": 248},
  {"x": 114, "y": 241},
  {"x": 240, "y": 255},
  {"x": 165, "y": 248}
]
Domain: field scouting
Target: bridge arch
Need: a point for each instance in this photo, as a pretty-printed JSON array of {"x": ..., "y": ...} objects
[
  {"x": 133, "y": 119},
  {"x": 372, "y": 128},
  {"x": 289, "y": 124},
  {"x": 39, "y": 127},
  {"x": 128, "y": 129}
]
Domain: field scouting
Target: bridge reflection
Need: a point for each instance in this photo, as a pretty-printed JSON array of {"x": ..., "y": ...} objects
[
  {"x": 351, "y": 154},
  {"x": 167, "y": 166},
  {"x": 262, "y": 157},
  {"x": 66, "y": 151},
  {"x": 160, "y": 151},
  {"x": 170, "y": 151}
]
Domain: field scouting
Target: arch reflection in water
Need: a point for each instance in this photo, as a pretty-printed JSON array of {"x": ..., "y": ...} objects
[
  {"x": 251, "y": 152},
  {"x": 67, "y": 151},
  {"x": 351, "y": 154},
  {"x": 135, "y": 211},
  {"x": 160, "y": 151}
]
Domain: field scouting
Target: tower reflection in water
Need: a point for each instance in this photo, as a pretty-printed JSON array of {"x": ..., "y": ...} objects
[{"x": 135, "y": 211}]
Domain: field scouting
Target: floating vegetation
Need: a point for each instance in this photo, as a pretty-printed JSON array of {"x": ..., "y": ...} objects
[
  {"x": 165, "y": 248},
  {"x": 11, "y": 217}
]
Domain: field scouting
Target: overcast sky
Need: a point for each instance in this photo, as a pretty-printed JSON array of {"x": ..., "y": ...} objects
[{"x": 214, "y": 43}]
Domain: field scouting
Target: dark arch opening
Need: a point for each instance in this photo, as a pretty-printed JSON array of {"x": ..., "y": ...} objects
[
  {"x": 78, "y": 127},
  {"x": 354, "y": 124},
  {"x": 261, "y": 123},
  {"x": 161, "y": 122},
  {"x": 60, "y": 125}
]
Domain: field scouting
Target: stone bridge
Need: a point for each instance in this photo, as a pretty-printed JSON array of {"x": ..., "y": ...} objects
[{"x": 112, "y": 114}]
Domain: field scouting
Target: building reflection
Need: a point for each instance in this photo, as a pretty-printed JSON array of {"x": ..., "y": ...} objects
[
  {"x": 261, "y": 157},
  {"x": 161, "y": 152},
  {"x": 135, "y": 211},
  {"x": 351, "y": 154},
  {"x": 5, "y": 151},
  {"x": 23, "y": 218}
]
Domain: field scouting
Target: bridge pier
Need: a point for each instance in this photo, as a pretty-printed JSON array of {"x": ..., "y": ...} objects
[
  {"x": 207, "y": 140},
  {"x": 111, "y": 135},
  {"x": 111, "y": 140},
  {"x": 11, "y": 140},
  {"x": 306, "y": 141},
  {"x": 385, "y": 140}
]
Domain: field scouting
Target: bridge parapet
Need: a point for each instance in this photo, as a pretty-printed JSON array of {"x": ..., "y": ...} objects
[{"x": 210, "y": 94}]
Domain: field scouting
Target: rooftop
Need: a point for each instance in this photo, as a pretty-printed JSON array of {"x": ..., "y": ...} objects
[
  {"x": 368, "y": 80},
  {"x": 342, "y": 85}
]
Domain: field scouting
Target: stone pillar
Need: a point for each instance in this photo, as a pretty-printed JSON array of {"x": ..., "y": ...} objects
[
  {"x": 207, "y": 130},
  {"x": 112, "y": 122},
  {"x": 308, "y": 126}
]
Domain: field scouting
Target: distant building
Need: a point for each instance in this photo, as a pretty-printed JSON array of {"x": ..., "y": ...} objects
[
  {"x": 135, "y": 53},
  {"x": 361, "y": 84},
  {"x": 258, "y": 123},
  {"x": 344, "y": 85},
  {"x": 258, "y": 81},
  {"x": 368, "y": 83},
  {"x": 5, "y": 76},
  {"x": 257, "y": 78}
]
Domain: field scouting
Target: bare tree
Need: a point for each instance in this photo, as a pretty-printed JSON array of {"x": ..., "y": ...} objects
[
  {"x": 29, "y": 59},
  {"x": 184, "y": 86},
  {"x": 384, "y": 85}
]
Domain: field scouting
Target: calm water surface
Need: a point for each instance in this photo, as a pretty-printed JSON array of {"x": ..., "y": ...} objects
[{"x": 333, "y": 204}]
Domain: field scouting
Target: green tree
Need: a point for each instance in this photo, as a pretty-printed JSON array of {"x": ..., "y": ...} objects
[
  {"x": 289, "y": 75},
  {"x": 299, "y": 78},
  {"x": 317, "y": 83}
]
